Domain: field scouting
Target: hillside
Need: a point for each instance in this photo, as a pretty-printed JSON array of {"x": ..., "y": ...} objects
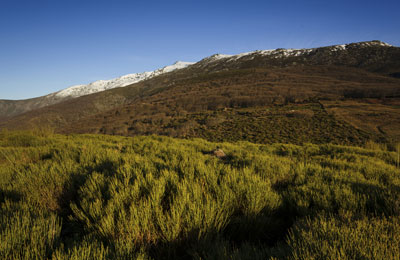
[
  {"x": 291, "y": 96},
  {"x": 9, "y": 108},
  {"x": 109, "y": 197},
  {"x": 374, "y": 56}
]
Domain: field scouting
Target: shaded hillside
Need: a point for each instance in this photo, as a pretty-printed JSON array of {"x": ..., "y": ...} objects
[
  {"x": 9, "y": 108},
  {"x": 261, "y": 96}
]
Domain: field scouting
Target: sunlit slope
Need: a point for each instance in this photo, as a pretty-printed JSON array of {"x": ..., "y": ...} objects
[
  {"x": 282, "y": 95},
  {"x": 103, "y": 197}
]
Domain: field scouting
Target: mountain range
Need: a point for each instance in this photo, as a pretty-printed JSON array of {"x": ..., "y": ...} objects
[
  {"x": 342, "y": 94},
  {"x": 10, "y": 108}
]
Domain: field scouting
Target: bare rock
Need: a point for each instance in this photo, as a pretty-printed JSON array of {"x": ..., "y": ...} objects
[{"x": 219, "y": 153}]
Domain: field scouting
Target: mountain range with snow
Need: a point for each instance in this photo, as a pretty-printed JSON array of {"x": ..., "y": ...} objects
[
  {"x": 14, "y": 107},
  {"x": 102, "y": 85},
  {"x": 373, "y": 56},
  {"x": 282, "y": 53}
]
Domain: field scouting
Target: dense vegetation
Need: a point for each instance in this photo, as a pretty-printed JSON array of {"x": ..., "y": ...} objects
[
  {"x": 294, "y": 123},
  {"x": 250, "y": 104},
  {"x": 263, "y": 105},
  {"x": 102, "y": 197}
]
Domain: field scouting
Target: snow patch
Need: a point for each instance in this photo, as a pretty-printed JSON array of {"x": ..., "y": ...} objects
[
  {"x": 374, "y": 43},
  {"x": 277, "y": 53},
  {"x": 102, "y": 85},
  {"x": 216, "y": 57},
  {"x": 282, "y": 53},
  {"x": 338, "y": 47}
]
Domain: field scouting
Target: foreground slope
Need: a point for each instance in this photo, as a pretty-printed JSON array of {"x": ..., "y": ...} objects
[
  {"x": 258, "y": 96},
  {"x": 108, "y": 197}
]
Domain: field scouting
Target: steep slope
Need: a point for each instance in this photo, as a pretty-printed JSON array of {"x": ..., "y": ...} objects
[
  {"x": 262, "y": 96},
  {"x": 14, "y": 107}
]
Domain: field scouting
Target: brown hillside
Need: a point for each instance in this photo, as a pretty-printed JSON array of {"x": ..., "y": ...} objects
[{"x": 274, "y": 99}]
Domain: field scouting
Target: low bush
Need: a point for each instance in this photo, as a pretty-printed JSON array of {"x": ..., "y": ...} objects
[{"x": 109, "y": 197}]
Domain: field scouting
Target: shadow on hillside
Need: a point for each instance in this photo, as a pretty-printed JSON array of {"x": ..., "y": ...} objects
[
  {"x": 9, "y": 195},
  {"x": 106, "y": 167},
  {"x": 380, "y": 201},
  {"x": 72, "y": 231},
  {"x": 267, "y": 230}
]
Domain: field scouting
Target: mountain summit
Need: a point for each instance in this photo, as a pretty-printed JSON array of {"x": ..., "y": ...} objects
[
  {"x": 369, "y": 54},
  {"x": 280, "y": 52}
]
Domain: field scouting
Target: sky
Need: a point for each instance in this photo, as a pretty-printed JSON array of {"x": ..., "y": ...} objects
[{"x": 46, "y": 46}]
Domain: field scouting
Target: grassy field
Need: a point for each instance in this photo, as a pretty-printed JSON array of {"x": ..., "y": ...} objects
[{"x": 108, "y": 197}]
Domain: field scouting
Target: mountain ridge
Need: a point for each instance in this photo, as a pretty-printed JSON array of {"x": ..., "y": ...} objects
[
  {"x": 125, "y": 80},
  {"x": 297, "y": 52},
  {"x": 221, "y": 95},
  {"x": 136, "y": 77},
  {"x": 15, "y": 107}
]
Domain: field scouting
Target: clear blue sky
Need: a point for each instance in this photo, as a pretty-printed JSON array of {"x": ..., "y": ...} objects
[{"x": 46, "y": 46}]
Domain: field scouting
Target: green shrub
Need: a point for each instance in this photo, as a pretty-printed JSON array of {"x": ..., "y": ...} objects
[
  {"x": 27, "y": 232},
  {"x": 153, "y": 197},
  {"x": 328, "y": 237}
]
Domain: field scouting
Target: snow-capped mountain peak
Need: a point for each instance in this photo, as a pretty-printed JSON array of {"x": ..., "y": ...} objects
[
  {"x": 176, "y": 66},
  {"x": 281, "y": 53},
  {"x": 101, "y": 85}
]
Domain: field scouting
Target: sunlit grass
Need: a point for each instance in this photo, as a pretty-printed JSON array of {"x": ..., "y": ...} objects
[{"x": 102, "y": 197}]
